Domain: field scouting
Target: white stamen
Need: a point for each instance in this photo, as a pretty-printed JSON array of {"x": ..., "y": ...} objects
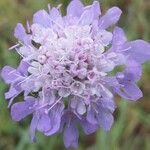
[
  {"x": 13, "y": 47},
  {"x": 46, "y": 111}
]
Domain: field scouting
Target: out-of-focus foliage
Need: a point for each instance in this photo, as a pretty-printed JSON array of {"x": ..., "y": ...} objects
[{"x": 131, "y": 130}]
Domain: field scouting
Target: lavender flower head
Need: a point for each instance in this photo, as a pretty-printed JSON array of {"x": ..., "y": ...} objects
[{"x": 67, "y": 70}]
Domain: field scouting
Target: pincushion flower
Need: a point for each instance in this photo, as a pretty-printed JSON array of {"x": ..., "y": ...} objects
[{"x": 67, "y": 70}]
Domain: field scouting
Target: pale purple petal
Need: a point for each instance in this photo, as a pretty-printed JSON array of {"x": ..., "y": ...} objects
[
  {"x": 111, "y": 81},
  {"x": 129, "y": 91},
  {"x": 21, "y": 34},
  {"x": 12, "y": 92},
  {"x": 106, "y": 37},
  {"x": 71, "y": 136},
  {"x": 22, "y": 109},
  {"x": 90, "y": 13},
  {"x": 87, "y": 17},
  {"x": 75, "y": 8},
  {"x": 119, "y": 38},
  {"x": 108, "y": 104},
  {"x": 56, "y": 17},
  {"x": 42, "y": 17},
  {"x": 55, "y": 14},
  {"x": 23, "y": 68},
  {"x": 88, "y": 128},
  {"x": 9, "y": 74},
  {"x": 96, "y": 9},
  {"x": 133, "y": 91},
  {"x": 133, "y": 70},
  {"x": 44, "y": 123},
  {"x": 91, "y": 116},
  {"x": 33, "y": 127},
  {"x": 105, "y": 119},
  {"x": 55, "y": 119},
  {"x": 139, "y": 50},
  {"x": 110, "y": 18}
]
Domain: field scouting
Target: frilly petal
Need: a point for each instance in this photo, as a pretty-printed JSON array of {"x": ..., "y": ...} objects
[
  {"x": 55, "y": 119},
  {"x": 71, "y": 136},
  {"x": 22, "y": 109},
  {"x": 44, "y": 123},
  {"x": 133, "y": 70},
  {"x": 96, "y": 9},
  {"x": 75, "y": 8},
  {"x": 23, "y": 68},
  {"x": 56, "y": 17},
  {"x": 119, "y": 38},
  {"x": 12, "y": 93},
  {"x": 110, "y": 18},
  {"x": 139, "y": 50},
  {"x": 88, "y": 128},
  {"x": 33, "y": 127},
  {"x": 21, "y": 34},
  {"x": 105, "y": 119},
  {"x": 42, "y": 17},
  {"x": 129, "y": 91},
  {"x": 87, "y": 17},
  {"x": 9, "y": 74}
]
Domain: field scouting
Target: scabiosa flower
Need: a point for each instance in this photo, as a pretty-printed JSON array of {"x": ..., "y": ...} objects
[{"x": 66, "y": 71}]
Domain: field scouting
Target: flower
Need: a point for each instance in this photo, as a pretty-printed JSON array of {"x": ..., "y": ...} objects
[{"x": 67, "y": 70}]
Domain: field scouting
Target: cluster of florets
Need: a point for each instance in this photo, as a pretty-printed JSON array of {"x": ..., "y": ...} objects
[{"x": 67, "y": 70}]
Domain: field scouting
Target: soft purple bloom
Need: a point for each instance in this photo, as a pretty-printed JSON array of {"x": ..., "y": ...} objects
[
  {"x": 14, "y": 77},
  {"x": 66, "y": 66}
]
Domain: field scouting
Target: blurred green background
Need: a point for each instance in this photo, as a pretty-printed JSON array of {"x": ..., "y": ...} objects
[{"x": 131, "y": 130}]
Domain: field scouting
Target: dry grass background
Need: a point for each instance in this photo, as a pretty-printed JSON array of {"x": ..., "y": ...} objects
[{"x": 131, "y": 130}]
